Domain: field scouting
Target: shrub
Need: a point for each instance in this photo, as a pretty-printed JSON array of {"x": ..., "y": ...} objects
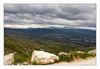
[
  {"x": 67, "y": 58},
  {"x": 20, "y": 58},
  {"x": 78, "y": 55}
]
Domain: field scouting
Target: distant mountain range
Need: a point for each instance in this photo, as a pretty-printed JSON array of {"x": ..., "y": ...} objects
[{"x": 64, "y": 35}]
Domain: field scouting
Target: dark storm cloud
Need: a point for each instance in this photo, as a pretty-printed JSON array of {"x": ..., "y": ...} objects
[{"x": 51, "y": 14}]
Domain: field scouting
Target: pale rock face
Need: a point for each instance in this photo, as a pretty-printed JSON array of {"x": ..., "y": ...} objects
[
  {"x": 63, "y": 53},
  {"x": 93, "y": 52},
  {"x": 9, "y": 59},
  {"x": 41, "y": 57}
]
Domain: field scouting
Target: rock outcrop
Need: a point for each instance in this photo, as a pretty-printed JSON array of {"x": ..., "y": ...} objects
[
  {"x": 41, "y": 57},
  {"x": 92, "y": 52},
  {"x": 9, "y": 59},
  {"x": 63, "y": 53}
]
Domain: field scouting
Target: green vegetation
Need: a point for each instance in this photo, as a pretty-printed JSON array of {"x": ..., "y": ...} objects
[
  {"x": 27, "y": 45},
  {"x": 76, "y": 55},
  {"x": 20, "y": 58},
  {"x": 66, "y": 58}
]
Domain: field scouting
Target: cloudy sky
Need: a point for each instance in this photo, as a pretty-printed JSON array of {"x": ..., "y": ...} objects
[{"x": 47, "y": 15}]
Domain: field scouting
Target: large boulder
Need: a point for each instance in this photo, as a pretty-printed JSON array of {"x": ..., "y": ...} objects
[
  {"x": 41, "y": 57},
  {"x": 9, "y": 59}
]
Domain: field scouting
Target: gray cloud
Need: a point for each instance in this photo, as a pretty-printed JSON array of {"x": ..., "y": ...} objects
[{"x": 83, "y": 15}]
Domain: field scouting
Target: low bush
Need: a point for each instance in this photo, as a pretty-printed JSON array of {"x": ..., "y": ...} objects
[
  {"x": 67, "y": 58},
  {"x": 20, "y": 58},
  {"x": 75, "y": 55}
]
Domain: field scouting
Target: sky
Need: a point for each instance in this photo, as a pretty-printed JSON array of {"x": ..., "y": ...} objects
[{"x": 50, "y": 15}]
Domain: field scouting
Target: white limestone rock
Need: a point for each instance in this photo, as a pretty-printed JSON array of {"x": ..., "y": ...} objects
[
  {"x": 41, "y": 57},
  {"x": 92, "y": 52},
  {"x": 63, "y": 53},
  {"x": 9, "y": 59}
]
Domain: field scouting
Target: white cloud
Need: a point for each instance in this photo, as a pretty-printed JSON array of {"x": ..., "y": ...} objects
[{"x": 25, "y": 26}]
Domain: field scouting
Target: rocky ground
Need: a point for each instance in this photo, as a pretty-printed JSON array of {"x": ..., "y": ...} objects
[
  {"x": 88, "y": 61},
  {"x": 42, "y": 57}
]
